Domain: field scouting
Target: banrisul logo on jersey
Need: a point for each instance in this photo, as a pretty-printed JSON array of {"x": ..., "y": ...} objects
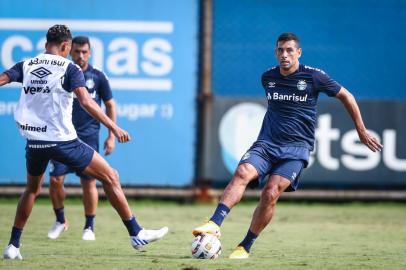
[{"x": 286, "y": 97}]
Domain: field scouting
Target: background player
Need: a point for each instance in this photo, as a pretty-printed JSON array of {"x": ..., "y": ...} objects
[
  {"x": 286, "y": 138},
  {"x": 87, "y": 129},
  {"x": 44, "y": 117}
]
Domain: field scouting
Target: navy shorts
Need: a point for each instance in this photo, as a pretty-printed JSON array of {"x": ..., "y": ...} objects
[
  {"x": 58, "y": 168},
  {"x": 75, "y": 154},
  {"x": 267, "y": 163}
]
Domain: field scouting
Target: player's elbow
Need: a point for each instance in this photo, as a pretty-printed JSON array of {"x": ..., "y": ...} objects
[{"x": 345, "y": 96}]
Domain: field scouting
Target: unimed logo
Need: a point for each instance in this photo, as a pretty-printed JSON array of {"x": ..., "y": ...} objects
[{"x": 136, "y": 55}]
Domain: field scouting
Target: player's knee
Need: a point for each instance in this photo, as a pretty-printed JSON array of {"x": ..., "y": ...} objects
[
  {"x": 111, "y": 177},
  {"x": 243, "y": 173},
  {"x": 55, "y": 182},
  {"x": 271, "y": 194},
  {"x": 34, "y": 189}
]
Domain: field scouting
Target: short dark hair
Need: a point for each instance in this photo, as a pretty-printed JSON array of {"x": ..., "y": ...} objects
[
  {"x": 81, "y": 40},
  {"x": 58, "y": 33},
  {"x": 287, "y": 36}
]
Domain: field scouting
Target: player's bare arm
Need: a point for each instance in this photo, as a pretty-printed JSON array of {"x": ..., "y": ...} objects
[
  {"x": 4, "y": 79},
  {"x": 94, "y": 110},
  {"x": 109, "y": 143},
  {"x": 352, "y": 107}
]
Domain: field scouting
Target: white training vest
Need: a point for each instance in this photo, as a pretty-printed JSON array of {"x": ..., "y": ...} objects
[{"x": 44, "y": 111}]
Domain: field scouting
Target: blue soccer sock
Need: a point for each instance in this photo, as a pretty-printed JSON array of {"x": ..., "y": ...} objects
[
  {"x": 220, "y": 214},
  {"x": 89, "y": 222},
  {"x": 248, "y": 240},
  {"x": 132, "y": 226},
  {"x": 60, "y": 214},
  {"x": 15, "y": 237}
]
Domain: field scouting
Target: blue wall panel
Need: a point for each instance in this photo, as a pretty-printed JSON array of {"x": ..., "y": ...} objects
[
  {"x": 358, "y": 43},
  {"x": 148, "y": 49}
]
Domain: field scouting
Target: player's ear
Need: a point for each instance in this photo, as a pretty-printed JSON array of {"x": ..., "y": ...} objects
[
  {"x": 65, "y": 46},
  {"x": 299, "y": 52}
]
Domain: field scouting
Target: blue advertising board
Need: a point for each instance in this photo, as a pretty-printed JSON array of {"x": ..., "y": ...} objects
[{"x": 148, "y": 49}]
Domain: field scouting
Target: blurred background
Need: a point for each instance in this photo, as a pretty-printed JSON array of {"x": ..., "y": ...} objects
[{"x": 186, "y": 76}]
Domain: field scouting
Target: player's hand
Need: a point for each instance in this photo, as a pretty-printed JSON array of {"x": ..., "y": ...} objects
[
  {"x": 109, "y": 145},
  {"x": 370, "y": 141},
  {"x": 121, "y": 135}
]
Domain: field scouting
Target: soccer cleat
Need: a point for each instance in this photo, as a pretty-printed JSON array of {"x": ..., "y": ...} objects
[
  {"x": 209, "y": 227},
  {"x": 145, "y": 237},
  {"x": 57, "y": 229},
  {"x": 239, "y": 253},
  {"x": 11, "y": 252},
  {"x": 88, "y": 235}
]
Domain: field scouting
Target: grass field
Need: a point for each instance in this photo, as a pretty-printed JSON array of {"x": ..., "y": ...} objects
[{"x": 302, "y": 236}]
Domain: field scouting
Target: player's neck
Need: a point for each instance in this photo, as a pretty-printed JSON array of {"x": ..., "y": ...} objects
[
  {"x": 54, "y": 50},
  {"x": 85, "y": 67}
]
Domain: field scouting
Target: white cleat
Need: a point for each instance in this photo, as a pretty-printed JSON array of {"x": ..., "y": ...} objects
[
  {"x": 145, "y": 237},
  {"x": 57, "y": 229},
  {"x": 11, "y": 252},
  {"x": 88, "y": 235}
]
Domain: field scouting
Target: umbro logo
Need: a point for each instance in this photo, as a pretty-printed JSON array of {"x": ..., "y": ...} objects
[
  {"x": 271, "y": 84},
  {"x": 41, "y": 72}
]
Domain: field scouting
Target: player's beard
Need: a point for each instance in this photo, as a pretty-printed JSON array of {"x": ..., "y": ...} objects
[
  {"x": 286, "y": 67},
  {"x": 81, "y": 63}
]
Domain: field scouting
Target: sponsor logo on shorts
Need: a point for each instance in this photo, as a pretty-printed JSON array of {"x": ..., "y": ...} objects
[{"x": 42, "y": 146}]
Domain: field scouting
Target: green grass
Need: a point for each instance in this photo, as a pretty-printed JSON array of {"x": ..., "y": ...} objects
[{"x": 301, "y": 236}]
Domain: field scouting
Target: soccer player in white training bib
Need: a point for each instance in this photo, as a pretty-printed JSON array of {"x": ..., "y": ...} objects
[
  {"x": 285, "y": 140},
  {"x": 44, "y": 118},
  {"x": 87, "y": 129}
]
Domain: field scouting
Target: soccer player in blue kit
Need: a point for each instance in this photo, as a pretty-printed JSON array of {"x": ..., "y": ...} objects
[
  {"x": 87, "y": 129},
  {"x": 285, "y": 140},
  {"x": 44, "y": 117}
]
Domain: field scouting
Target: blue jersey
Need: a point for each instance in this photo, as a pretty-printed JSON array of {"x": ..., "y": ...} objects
[
  {"x": 291, "y": 115},
  {"x": 99, "y": 89}
]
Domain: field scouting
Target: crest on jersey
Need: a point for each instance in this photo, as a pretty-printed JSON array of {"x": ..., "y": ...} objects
[
  {"x": 301, "y": 85},
  {"x": 89, "y": 83}
]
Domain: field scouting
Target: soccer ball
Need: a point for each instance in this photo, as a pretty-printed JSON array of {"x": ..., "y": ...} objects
[{"x": 206, "y": 246}]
